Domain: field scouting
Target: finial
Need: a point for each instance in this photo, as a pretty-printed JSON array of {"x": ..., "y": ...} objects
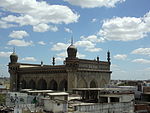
[
  {"x": 108, "y": 56},
  {"x": 41, "y": 63},
  {"x": 13, "y": 49},
  {"x": 98, "y": 58},
  {"x": 53, "y": 61},
  {"x": 72, "y": 40}
]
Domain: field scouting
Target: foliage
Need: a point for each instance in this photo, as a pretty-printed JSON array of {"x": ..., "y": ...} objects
[{"x": 2, "y": 99}]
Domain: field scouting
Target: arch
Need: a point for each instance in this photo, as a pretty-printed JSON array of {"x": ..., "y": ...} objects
[
  {"x": 53, "y": 85},
  {"x": 63, "y": 86},
  {"x": 103, "y": 82},
  {"x": 82, "y": 83},
  {"x": 32, "y": 84},
  {"x": 93, "y": 84},
  {"x": 42, "y": 84},
  {"x": 23, "y": 84}
]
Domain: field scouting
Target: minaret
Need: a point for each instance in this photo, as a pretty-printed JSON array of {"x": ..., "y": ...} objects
[
  {"x": 97, "y": 58},
  {"x": 108, "y": 56},
  {"x": 41, "y": 63},
  {"x": 53, "y": 61},
  {"x": 13, "y": 69}
]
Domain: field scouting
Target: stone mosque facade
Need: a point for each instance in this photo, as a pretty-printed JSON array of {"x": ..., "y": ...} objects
[{"x": 74, "y": 73}]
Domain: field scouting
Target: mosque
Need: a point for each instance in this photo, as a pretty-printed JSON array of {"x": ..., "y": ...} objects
[{"x": 74, "y": 73}]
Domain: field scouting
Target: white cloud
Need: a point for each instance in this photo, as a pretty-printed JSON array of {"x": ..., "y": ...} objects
[
  {"x": 59, "y": 59},
  {"x": 53, "y": 28},
  {"x": 92, "y": 38},
  {"x": 93, "y": 49},
  {"x": 88, "y": 43},
  {"x": 59, "y": 46},
  {"x": 32, "y": 12},
  {"x": 141, "y": 51},
  {"x": 29, "y": 59},
  {"x": 79, "y": 55},
  {"x": 141, "y": 61},
  {"x": 120, "y": 56},
  {"x": 21, "y": 20},
  {"x": 125, "y": 28},
  {"x": 5, "y": 54},
  {"x": 94, "y": 3},
  {"x": 5, "y": 25},
  {"x": 44, "y": 28},
  {"x": 62, "y": 54},
  {"x": 18, "y": 34},
  {"x": 84, "y": 43},
  {"x": 94, "y": 20},
  {"x": 68, "y": 30},
  {"x": 19, "y": 43},
  {"x": 41, "y": 43}
]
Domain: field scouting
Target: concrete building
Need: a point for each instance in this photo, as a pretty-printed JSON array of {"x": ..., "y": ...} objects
[
  {"x": 103, "y": 100},
  {"x": 56, "y": 102},
  {"x": 75, "y": 73}
]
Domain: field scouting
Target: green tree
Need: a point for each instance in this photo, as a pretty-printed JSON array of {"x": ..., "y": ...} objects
[{"x": 2, "y": 99}]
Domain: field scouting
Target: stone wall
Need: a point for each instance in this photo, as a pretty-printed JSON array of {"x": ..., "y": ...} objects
[{"x": 124, "y": 107}]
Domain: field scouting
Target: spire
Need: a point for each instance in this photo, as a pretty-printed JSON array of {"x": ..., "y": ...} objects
[
  {"x": 72, "y": 40},
  {"x": 108, "y": 56},
  {"x": 14, "y": 50}
]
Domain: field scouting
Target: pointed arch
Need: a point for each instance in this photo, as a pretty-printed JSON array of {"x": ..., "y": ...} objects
[
  {"x": 93, "y": 84},
  {"x": 63, "y": 86},
  {"x": 32, "y": 84},
  {"x": 53, "y": 85},
  {"x": 23, "y": 84},
  {"x": 42, "y": 84},
  {"x": 103, "y": 82},
  {"x": 82, "y": 83}
]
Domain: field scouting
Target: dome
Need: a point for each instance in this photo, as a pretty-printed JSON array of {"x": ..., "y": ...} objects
[
  {"x": 13, "y": 57},
  {"x": 72, "y": 51}
]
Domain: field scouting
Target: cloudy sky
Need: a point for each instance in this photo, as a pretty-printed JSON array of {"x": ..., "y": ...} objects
[{"x": 41, "y": 29}]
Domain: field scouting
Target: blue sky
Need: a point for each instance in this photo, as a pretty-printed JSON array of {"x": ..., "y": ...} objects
[{"x": 41, "y": 29}]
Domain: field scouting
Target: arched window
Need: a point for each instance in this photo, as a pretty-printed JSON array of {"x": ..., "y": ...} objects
[
  {"x": 23, "y": 84},
  {"x": 53, "y": 85},
  {"x": 32, "y": 84},
  {"x": 42, "y": 84},
  {"x": 63, "y": 86},
  {"x": 93, "y": 84}
]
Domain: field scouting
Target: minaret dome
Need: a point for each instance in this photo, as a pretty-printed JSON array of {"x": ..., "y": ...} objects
[
  {"x": 13, "y": 57},
  {"x": 72, "y": 51}
]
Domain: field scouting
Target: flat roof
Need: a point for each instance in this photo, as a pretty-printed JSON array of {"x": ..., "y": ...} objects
[
  {"x": 58, "y": 94},
  {"x": 26, "y": 89},
  {"x": 39, "y": 91},
  {"x": 100, "y": 89},
  {"x": 111, "y": 95}
]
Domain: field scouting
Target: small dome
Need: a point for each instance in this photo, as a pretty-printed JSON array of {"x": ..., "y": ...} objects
[
  {"x": 72, "y": 51},
  {"x": 13, "y": 57}
]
